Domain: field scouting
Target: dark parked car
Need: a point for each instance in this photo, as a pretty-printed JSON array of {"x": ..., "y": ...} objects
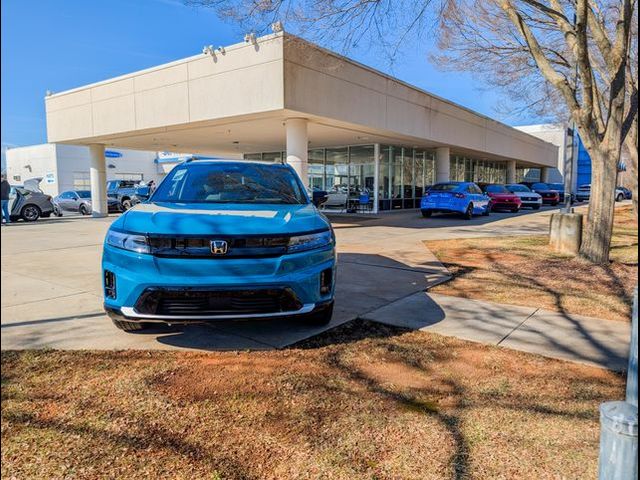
[
  {"x": 561, "y": 190},
  {"x": 28, "y": 202},
  {"x": 549, "y": 195},
  {"x": 79, "y": 201},
  {"x": 123, "y": 191}
]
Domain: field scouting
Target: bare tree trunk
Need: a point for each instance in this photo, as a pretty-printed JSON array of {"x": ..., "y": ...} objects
[
  {"x": 631, "y": 143},
  {"x": 599, "y": 228}
]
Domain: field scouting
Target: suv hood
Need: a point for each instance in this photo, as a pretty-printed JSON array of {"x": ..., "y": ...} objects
[
  {"x": 527, "y": 194},
  {"x": 221, "y": 219}
]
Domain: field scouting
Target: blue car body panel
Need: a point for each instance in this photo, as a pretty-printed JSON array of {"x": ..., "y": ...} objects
[
  {"x": 299, "y": 272},
  {"x": 456, "y": 200}
]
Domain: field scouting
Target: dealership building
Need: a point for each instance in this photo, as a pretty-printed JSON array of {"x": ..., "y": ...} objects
[{"x": 341, "y": 125}]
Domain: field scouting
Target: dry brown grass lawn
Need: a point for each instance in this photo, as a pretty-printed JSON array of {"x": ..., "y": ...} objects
[
  {"x": 366, "y": 402},
  {"x": 525, "y": 271}
]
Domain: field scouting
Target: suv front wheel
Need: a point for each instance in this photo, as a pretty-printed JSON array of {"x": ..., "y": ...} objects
[
  {"x": 128, "y": 326},
  {"x": 320, "y": 317}
]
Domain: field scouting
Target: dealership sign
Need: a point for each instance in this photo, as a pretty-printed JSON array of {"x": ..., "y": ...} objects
[{"x": 112, "y": 154}]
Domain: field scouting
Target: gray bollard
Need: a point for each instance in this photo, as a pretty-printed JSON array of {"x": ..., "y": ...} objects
[
  {"x": 618, "y": 441},
  {"x": 632, "y": 372}
]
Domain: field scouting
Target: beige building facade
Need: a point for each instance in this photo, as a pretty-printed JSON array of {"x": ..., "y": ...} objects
[{"x": 343, "y": 126}]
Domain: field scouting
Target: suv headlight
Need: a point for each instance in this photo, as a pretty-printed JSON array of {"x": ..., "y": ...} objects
[
  {"x": 310, "y": 242},
  {"x": 128, "y": 241}
]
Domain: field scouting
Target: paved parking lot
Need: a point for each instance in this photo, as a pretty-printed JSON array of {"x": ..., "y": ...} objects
[{"x": 51, "y": 283}]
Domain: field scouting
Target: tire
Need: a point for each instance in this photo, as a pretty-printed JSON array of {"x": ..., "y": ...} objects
[
  {"x": 620, "y": 198},
  {"x": 83, "y": 210},
  {"x": 468, "y": 215},
  {"x": 323, "y": 317},
  {"x": 515, "y": 210},
  {"x": 427, "y": 213},
  {"x": 30, "y": 213},
  {"x": 57, "y": 212},
  {"x": 536, "y": 207},
  {"x": 126, "y": 204},
  {"x": 487, "y": 211},
  {"x": 128, "y": 326}
]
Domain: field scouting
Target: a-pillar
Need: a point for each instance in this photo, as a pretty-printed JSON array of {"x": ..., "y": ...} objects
[
  {"x": 443, "y": 164},
  {"x": 298, "y": 146},
  {"x": 511, "y": 171},
  {"x": 98, "y": 171}
]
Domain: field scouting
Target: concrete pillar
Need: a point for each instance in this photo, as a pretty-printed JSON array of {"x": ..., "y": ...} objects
[
  {"x": 98, "y": 170},
  {"x": 298, "y": 147},
  {"x": 565, "y": 235},
  {"x": 443, "y": 164},
  {"x": 511, "y": 171},
  {"x": 545, "y": 175}
]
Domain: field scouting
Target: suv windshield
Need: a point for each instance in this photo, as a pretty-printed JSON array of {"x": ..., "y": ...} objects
[
  {"x": 496, "y": 189},
  {"x": 230, "y": 183}
]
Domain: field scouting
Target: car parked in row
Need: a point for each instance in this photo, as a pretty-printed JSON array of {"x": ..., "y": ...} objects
[
  {"x": 28, "y": 202},
  {"x": 584, "y": 193},
  {"x": 548, "y": 194},
  {"x": 528, "y": 198},
  {"x": 79, "y": 201},
  {"x": 502, "y": 198},
  {"x": 628, "y": 194},
  {"x": 561, "y": 189},
  {"x": 465, "y": 198},
  {"x": 123, "y": 191}
]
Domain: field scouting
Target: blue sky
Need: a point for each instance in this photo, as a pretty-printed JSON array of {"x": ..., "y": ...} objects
[{"x": 60, "y": 44}]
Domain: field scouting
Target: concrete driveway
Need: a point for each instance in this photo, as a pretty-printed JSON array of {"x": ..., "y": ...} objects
[{"x": 51, "y": 283}]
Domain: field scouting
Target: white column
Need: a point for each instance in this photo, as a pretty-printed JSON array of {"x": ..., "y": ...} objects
[
  {"x": 298, "y": 147},
  {"x": 443, "y": 164},
  {"x": 511, "y": 171},
  {"x": 98, "y": 170},
  {"x": 545, "y": 174}
]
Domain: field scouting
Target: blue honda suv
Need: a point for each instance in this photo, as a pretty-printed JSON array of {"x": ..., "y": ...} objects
[{"x": 220, "y": 240}]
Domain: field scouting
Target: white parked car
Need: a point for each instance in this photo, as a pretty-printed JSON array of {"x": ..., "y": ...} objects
[
  {"x": 529, "y": 199},
  {"x": 584, "y": 193}
]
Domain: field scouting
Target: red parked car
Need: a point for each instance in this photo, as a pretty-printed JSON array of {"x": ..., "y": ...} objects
[{"x": 502, "y": 198}]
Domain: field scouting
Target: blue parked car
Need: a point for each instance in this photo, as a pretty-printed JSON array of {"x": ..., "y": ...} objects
[
  {"x": 220, "y": 240},
  {"x": 465, "y": 198}
]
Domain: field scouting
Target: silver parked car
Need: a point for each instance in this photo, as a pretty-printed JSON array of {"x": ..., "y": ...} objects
[
  {"x": 28, "y": 202},
  {"x": 79, "y": 201}
]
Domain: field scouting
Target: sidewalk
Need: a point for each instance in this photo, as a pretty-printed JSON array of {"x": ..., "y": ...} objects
[{"x": 604, "y": 343}]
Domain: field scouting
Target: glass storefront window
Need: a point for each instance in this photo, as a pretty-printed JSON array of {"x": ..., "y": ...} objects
[
  {"x": 316, "y": 169},
  {"x": 253, "y": 156},
  {"x": 337, "y": 170},
  {"x": 272, "y": 157},
  {"x": 396, "y": 177},
  {"x": 408, "y": 185},
  {"x": 361, "y": 170},
  {"x": 419, "y": 173}
]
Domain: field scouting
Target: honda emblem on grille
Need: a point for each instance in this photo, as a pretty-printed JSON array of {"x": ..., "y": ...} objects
[{"x": 219, "y": 247}]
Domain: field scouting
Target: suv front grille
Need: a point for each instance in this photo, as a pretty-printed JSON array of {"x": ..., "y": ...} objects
[
  {"x": 198, "y": 302},
  {"x": 243, "y": 247}
]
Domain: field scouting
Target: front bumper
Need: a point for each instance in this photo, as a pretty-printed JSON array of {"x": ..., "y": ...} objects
[
  {"x": 136, "y": 273},
  {"x": 129, "y": 314}
]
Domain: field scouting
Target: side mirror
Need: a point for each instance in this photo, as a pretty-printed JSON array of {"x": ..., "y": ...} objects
[
  {"x": 319, "y": 197},
  {"x": 143, "y": 193}
]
